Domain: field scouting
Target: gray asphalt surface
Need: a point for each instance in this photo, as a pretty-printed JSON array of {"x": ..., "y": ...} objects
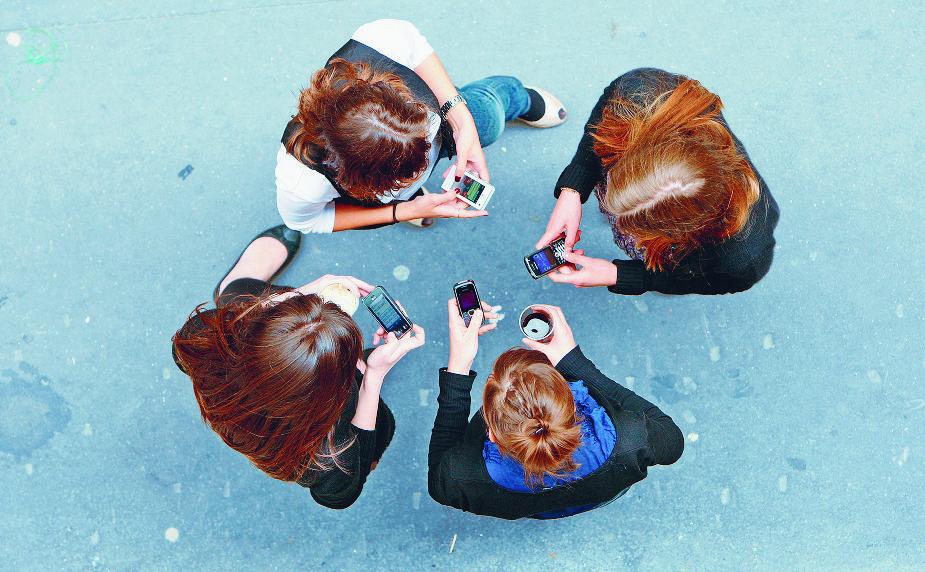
[{"x": 802, "y": 399}]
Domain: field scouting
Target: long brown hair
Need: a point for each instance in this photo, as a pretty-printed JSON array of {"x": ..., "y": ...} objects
[
  {"x": 272, "y": 378},
  {"x": 531, "y": 412},
  {"x": 675, "y": 178},
  {"x": 365, "y": 125}
]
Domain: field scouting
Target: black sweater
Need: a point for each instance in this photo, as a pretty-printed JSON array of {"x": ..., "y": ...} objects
[
  {"x": 734, "y": 265},
  {"x": 457, "y": 476}
]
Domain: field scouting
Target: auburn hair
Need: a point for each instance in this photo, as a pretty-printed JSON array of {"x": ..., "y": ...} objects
[
  {"x": 273, "y": 378},
  {"x": 675, "y": 180},
  {"x": 530, "y": 410},
  {"x": 363, "y": 124}
]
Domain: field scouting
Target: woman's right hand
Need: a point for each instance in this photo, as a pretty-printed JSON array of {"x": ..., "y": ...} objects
[
  {"x": 384, "y": 357},
  {"x": 565, "y": 219},
  {"x": 442, "y": 205},
  {"x": 562, "y": 341},
  {"x": 464, "y": 340}
]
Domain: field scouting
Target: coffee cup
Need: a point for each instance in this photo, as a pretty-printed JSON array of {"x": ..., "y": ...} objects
[
  {"x": 536, "y": 323},
  {"x": 344, "y": 295}
]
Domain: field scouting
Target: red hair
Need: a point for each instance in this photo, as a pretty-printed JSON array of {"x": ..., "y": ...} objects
[
  {"x": 365, "y": 125},
  {"x": 530, "y": 410},
  {"x": 272, "y": 378},
  {"x": 675, "y": 178}
]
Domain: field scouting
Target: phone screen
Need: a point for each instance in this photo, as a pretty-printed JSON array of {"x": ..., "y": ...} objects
[
  {"x": 545, "y": 260},
  {"x": 467, "y": 299},
  {"x": 383, "y": 310},
  {"x": 470, "y": 188}
]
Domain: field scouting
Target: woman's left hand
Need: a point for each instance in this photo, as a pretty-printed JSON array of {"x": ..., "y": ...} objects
[
  {"x": 464, "y": 340},
  {"x": 355, "y": 285},
  {"x": 593, "y": 271},
  {"x": 469, "y": 153},
  {"x": 443, "y": 205}
]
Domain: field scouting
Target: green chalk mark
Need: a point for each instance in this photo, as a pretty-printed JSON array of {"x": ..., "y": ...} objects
[{"x": 40, "y": 53}]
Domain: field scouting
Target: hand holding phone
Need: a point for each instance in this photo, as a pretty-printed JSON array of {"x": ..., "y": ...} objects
[
  {"x": 546, "y": 259},
  {"x": 470, "y": 189},
  {"x": 562, "y": 341},
  {"x": 464, "y": 340},
  {"x": 467, "y": 298}
]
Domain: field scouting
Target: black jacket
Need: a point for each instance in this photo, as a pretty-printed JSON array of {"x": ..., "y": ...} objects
[{"x": 457, "y": 476}]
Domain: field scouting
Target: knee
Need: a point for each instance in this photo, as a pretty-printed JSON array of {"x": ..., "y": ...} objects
[{"x": 487, "y": 110}]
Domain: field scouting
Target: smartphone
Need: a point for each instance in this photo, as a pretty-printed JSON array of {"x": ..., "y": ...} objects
[
  {"x": 467, "y": 297},
  {"x": 471, "y": 189},
  {"x": 384, "y": 308},
  {"x": 546, "y": 259}
]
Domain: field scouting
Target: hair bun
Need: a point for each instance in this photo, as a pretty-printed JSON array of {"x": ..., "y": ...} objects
[{"x": 542, "y": 427}]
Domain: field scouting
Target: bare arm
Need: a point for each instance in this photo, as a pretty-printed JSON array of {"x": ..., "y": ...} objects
[
  {"x": 348, "y": 217},
  {"x": 444, "y": 205},
  {"x": 468, "y": 147}
]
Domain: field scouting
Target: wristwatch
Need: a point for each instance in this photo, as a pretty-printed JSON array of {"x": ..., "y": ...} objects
[{"x": 451, "y": 103}]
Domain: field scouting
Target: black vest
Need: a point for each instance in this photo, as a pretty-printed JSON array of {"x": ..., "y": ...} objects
[{"x": 354, "y": 51}]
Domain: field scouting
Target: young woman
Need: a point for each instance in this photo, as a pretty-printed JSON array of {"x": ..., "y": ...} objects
[
  {"x": 278, "y": 375},
  {"x": 554, "y": 436},
  {"x": 373, "y": 123},
  {"x": 682, "y": 197}
]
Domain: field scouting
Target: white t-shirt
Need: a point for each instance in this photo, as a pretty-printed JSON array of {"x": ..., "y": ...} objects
[{"x": 304, "y": 196}]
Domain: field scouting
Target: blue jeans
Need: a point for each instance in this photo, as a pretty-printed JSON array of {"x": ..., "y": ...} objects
[{"x": 493, "y": 101}]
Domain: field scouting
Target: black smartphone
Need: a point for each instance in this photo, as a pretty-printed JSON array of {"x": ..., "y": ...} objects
[
  {"x": 546, "y": 259},
  {"x": 384, "y": 308},
  {"x": 468, "y": 299}
]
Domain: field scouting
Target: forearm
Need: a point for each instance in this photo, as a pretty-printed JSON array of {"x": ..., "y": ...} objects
[
  {"x": 452, "y": 414},
  {"x": 368, "y": 401},
  {"x": 584, "y": 170},
  {"x": 439, "y": 82},
  {"x": 633, "y": 278},
  {"x": 347, "y": 216},
  {"x": 436, "y": 78}
]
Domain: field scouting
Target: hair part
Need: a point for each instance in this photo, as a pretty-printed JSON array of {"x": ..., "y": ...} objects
[
  {"x": 530, "y": 410},
  {"x": 365, "y": 125},
  {"x": 675, "y": 179},
  {"x": 273, "y": 378}
]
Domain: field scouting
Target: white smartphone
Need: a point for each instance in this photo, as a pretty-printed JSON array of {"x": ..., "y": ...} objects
[{"x": 471, "y": 189}]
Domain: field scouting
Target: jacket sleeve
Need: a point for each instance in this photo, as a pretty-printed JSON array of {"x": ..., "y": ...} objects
[
  {"x": 664, "y": 437},
  {"x": 449, "y": 428},
  {"x": 633, "y": 279},
  {"x": 584, "y": 171}
]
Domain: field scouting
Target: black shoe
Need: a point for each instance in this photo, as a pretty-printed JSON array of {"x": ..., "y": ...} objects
[{"x": 291, "y": 239}]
